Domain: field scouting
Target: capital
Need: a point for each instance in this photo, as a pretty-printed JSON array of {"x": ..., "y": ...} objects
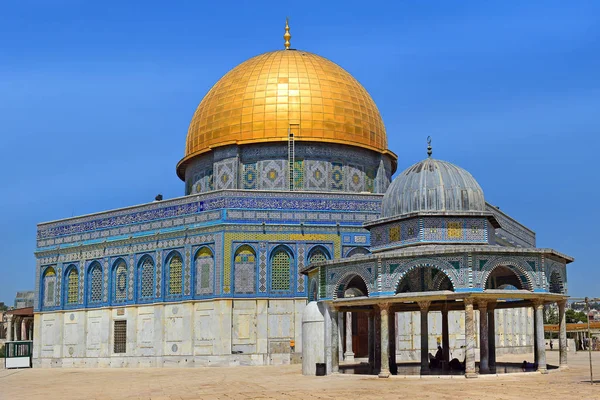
[
  {"x": 482, "y": 304},
  {"x": 424, "y": 305},
  {"x": 491, "y": 305},
  {"x": 468, "y": 301},
  {"x": 561, "y": 304},
  {"x": 384, "y": 307},
  {"x": 537, "y": 303}
]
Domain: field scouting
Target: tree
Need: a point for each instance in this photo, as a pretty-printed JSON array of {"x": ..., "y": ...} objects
[
  {"x": 550, "y": 315},
  {"x": 573, "y": 316}
]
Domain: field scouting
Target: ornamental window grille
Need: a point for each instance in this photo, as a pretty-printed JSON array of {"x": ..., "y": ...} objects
[
  {"x": 49, "y": 299},
  {"x": 120, "y": 337},
  {"x": 72, "y": 286},
  {"x": 95, "y": 282},
  {"x": 205, "y": 265},
  {"x": 281, "y": 267},
  {"x": 147, "y": 279},
  {"x": 175, "y": 278},
  {"x": 244, "y": 270},
  {"x": 316, "y": 256},
  {"x": 120, "y": 284}
]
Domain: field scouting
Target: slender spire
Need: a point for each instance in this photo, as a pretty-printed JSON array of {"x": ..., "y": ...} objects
[
  {"x": 429, "y": 146},
  {"x": 287, "y": 36}
]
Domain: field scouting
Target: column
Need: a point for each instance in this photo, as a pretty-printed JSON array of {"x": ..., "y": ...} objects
[
  {"x": 535, "y": 338},
  {"x": 335, "y": 340},
  {"x": 349, "y": 354},
  {"x": 424, "y": 307},
  {"x": 539, "y": 333},
  {"x": 371, "y": 341},
  {"x": 384, "y": 309},
  {"x": 469, "y": 339},
  {"x": 23, "y": 329},
  {"x": 9, "y": 329},
  {"x": 445, "y": 336},
  {"x": 562, "y": 335},
  {"x": 392, "y": 336},
  {"x": 483, "y": 338},
  {"x": 492, "y": 335},
  {"x": 328, "y": 332},
  {"x": 377, "y": 337},
  {"x": 341, "y": 329}
]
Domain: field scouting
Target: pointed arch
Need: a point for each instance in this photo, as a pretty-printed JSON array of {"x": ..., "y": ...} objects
[
  {"x": 524, "y": 272},
  {"x": 146, "y": 278},
  {"x": 204, "y": 262},
  {"x": 281, "y": 267},
  {"x": 358, "y": 251},
  {"x": 49, "y": 287},
  {"x": 318, "y": 254},
  {"x": 505, "y": 273},
  {"x": 174, "y": 263},
  {"x": 351, "y": 284},
  {"x": 94, "y": 283},
  {"x": 120, "y": 283},
  {"x": 423, "y": 278},
  {"x": 71, "y": 289},
  {"x": 244, "y": 270}
]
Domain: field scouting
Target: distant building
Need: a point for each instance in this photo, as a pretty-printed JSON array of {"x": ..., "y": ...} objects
[{"x": 24, "y": 299}]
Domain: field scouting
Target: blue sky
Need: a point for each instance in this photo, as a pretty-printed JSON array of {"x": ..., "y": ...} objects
[{"x": 95, "y": 99}]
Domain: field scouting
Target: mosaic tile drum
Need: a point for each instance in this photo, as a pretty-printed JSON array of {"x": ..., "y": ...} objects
[{"x": 216, "y": 277}]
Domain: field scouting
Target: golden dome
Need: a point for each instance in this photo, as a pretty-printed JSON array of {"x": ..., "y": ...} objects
[{"x": 264, "y": 97}]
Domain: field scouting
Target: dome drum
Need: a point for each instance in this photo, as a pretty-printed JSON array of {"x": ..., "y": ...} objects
[{"x": 267, "y": 167}]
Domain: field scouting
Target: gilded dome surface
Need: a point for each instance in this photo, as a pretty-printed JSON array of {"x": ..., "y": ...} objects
[
  {"x": 259, "y": 99},
  {"x": 432, "y": 185}
]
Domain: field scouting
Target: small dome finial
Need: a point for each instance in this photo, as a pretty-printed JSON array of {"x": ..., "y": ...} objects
[
  {"x": 287, "y": 36},
  {"x": 429, "y": 146}
]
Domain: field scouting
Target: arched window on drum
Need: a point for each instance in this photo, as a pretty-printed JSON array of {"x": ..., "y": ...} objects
[
  {"x": 72, "y": 286},
  {"x": 281, "y": 270},
  {"x": 175, "y": 264},
  {"x": 146, "y": 278},
  {"x": 120, "y": 282},
  {"x": 244, "y": 270},
  {"x": 49, "y": 288},
  {"x": 94, "y": 283},
  {"x": 318, "y": 254},
  {"x": 205, "y": 266}
]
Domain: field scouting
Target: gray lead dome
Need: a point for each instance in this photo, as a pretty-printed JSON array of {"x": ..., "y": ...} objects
[{"x": 432, "y": 185}]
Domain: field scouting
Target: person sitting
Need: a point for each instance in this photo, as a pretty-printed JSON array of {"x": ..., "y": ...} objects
[
  {"x": 456, "y": 365},
  {"x": 436, "y": 361},
  {"x": 526, "y": 366}
]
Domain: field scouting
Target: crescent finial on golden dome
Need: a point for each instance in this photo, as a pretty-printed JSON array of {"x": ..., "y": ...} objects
[{"x": 287, "y": 36}]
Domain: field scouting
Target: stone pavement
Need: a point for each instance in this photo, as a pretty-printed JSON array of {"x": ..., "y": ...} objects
[{"x": 286, "y": 382}]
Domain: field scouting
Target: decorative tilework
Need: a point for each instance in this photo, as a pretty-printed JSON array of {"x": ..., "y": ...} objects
[
  {"x": 298, "y": 174},
  {"x": 316, "y": 174},
  {"x": 244, "y": 270},
  {"x": 225, "y": 174},
  {"x": 355, "y": 178},
  {"x": 250, "y": 176},
  {"x": 370, "y": 180},
  {"x": 175, "y": 275},
  {"x": 273, "y": 175},
  {"x": 337, "y": 176},
  {"x": 120, "y": 282},
  {"x": 205, "y": 269},
  {"x": 130, "y": 282},
  {"x": 159, "y": 274},
  {"x": 528, "y": 275},
  {"x": 187, "y": 272},
  {"x": 455, "y": 230},
  {"x": 262, "y": 274}
]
